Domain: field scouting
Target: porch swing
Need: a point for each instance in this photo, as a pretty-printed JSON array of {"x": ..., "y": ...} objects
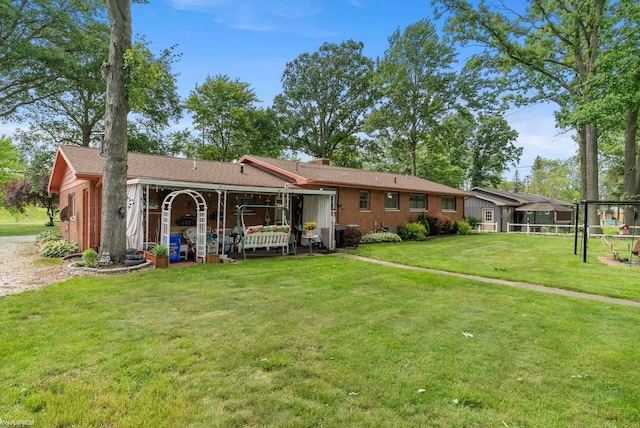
[{"x": 267, "y": 237}]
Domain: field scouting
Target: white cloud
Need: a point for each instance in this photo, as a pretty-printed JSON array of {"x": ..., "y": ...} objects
[{"x": 284, "y": 16}]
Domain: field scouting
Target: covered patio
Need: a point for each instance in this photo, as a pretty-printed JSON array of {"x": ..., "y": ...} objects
[{"x": 201, "y": 219}]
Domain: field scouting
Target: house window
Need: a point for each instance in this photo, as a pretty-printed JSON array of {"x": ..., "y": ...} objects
[
  {"x": 448, "y": 203},
  {"x": 244, "y": 200},
  {"x": 364, "y": 200},
  {"x": 72, "y": 205},
  {"x": 417, "y": 202},
  {"x": 391, "y": 201}
]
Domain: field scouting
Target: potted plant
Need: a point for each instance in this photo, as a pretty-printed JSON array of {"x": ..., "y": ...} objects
[
  {"x": 159, "y": 256},
  {"x": 309, "y": 226}
]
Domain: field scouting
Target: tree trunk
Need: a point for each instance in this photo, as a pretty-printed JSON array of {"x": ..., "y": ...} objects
[
  {"x": 582, "y": 154},
  {"x": 631, "y": 167},
  {"x": 114, "y": 179},
  {"x": 591, "y": 172}
]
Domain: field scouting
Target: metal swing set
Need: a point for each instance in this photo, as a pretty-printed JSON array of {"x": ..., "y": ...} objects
[{"x": 626, "y": 230}]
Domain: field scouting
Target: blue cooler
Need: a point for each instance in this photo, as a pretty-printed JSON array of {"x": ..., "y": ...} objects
[{"x": 174, "y": 248}]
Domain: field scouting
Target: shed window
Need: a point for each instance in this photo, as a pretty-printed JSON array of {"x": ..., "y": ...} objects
[
  {"x": 417, "y": 202},
  {"x": 448, "y": 203},
  {"x": 391, "y": 201}
]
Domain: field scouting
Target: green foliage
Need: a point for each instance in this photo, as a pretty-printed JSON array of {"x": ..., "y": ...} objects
[
  {"x": 57, "y": 249},
  {"x": 48, "y": 235},
  {"x": 380, "y": 237},
  {"x": 492, "y": 151},
  {"x": 324, "y": 99},
  {"x": 474, "y": 222},
  {"x": 160, "y": 250},
  {"x": 440, "y": 224},
  {"x": 412, "y": 232},
  {"x": 462, "y": 227},
  {"x": 89, "y": 257},
  {"x": 555, "y": 179},
  {"x": 40, "y": 44},
  {"x": 10, "y": 166},
  {"x": 416, "y": 81},
  {"x": 151, "y": 88},
  {"x": 223, "y": 111},
  {"x": 422, "y": 219}
]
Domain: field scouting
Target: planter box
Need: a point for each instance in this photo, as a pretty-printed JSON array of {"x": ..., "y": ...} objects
[
  {"x": 157, "y": 261},
  {"x": 213, "y": 258}
]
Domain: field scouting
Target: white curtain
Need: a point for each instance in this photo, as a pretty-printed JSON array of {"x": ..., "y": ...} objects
[
  {"x": 318, "y": 208},
  {"x": 135, "y": 211}
]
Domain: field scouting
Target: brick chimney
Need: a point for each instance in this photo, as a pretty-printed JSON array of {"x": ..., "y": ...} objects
[{"x": 319, "y": 161}]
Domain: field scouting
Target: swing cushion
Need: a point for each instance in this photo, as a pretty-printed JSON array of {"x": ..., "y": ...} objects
[{"x": 255, "y": 229}]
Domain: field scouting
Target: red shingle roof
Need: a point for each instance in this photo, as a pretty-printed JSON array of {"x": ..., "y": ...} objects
[
  {"x": 87, "y": 163},
  {"x": 326, "y": 175},
  {"x": 257, "y": 172}
]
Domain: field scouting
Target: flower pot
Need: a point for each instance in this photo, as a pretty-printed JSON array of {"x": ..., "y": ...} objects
[
  {"x": 309, "y": 232},
  {"x": 157, "y": 261}
]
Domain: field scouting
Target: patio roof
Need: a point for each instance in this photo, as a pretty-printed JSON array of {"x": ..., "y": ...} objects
[{"x": 544, "y": 206}]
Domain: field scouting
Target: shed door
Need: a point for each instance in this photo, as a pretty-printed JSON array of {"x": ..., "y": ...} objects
[{"x": 487, "y": 219}]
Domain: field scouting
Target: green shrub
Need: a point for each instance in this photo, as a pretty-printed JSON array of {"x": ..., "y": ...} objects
[
  {"x": 379, "y": 237},
  {"x": 48, "y": 235},
  {"x": 89, "y": 257},
  {"x": 463, "y": 227},
  {"x": 440, "y": 224},
  {"x": 160, "y": 250},
  {"x": 422, "y": 219},
  {"x": 412, "y": 232},
  {"x": 474, "y": 222},
  {"x": 60, "y": 248}
]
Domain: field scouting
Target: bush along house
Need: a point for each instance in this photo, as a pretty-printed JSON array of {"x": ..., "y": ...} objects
[{"x": 198, "y": 200}]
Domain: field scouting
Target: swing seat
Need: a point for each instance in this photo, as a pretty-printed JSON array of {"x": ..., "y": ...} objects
[{"x": 636, "y": 249}]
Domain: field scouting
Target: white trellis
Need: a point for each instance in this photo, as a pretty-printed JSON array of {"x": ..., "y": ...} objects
[{"x": 201, "y": 221}]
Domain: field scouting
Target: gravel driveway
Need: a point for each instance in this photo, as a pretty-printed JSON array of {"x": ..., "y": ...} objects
[{"x": 20, "y": 269}]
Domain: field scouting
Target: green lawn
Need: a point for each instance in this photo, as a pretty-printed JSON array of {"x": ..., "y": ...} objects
[
  {"x": 22, "y": 229},
  {"x": 30, "y": 215},
  {"x": 539, "y": 259},
  {"x": 314, "y": 341},
  {"x": 31, "y": 222}
]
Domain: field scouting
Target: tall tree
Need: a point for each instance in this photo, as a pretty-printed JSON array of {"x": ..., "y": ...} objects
[
  {"x": 325, "y": 97},
  {"x": 492, "y": 150},
  {"x": 76, "y": 115},
  {"x": 39, "y": 41},
  {"x": 416, "y": 80},
  {"x": 548, "y": 51},
  {"x": 555, "y": 179},
  {"x": 10, "y": 164},
  {"x": 114, "y": 182},
  {"x": 32, "y": 187},
  {"x": 223, "y": 113}
]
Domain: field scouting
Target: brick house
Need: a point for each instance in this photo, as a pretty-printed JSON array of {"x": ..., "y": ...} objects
[
  {"x": 205, "y": 194},
  {"x": 372, "y": 200}
]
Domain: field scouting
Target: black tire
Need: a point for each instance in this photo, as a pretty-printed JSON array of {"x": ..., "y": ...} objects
[
  {"x": 131, "y": 251},
  {"x": 136, "y": 256},
  {"x": 133, "y": 262}
]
